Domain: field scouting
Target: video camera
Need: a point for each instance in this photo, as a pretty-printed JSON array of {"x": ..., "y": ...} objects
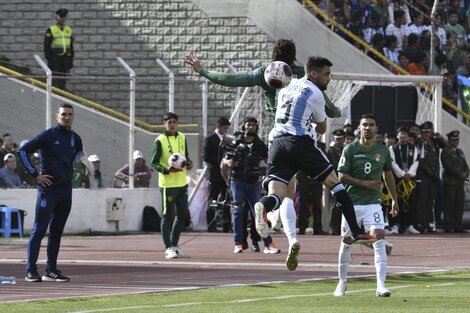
[{"x": 233, "y": 147}]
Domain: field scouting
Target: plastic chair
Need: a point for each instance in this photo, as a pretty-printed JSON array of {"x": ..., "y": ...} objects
[{"x": 6, "y": 228}]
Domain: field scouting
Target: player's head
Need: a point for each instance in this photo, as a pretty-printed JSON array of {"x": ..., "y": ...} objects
[
  {"x": 368, "y": 126},
  {"x": 170, "y": 120},
  {"x": 318, "y": 71},
  {"x": 284, "y": 50}
]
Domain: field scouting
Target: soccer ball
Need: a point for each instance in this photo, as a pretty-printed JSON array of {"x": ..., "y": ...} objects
[
  {"x": 278, "y": 74},
  {"x": 177, "y": 160}
]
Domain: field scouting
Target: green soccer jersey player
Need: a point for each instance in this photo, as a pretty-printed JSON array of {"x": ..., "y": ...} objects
[
  {"x": 362, "y": 165},
  {"x": 284, "y": 50}
]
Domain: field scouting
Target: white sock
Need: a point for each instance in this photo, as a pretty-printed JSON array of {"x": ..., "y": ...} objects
[
  {"x": 380, "y": 259},
  {"x": 288, "y": 219},
  {"x": 343, "y": 261}
]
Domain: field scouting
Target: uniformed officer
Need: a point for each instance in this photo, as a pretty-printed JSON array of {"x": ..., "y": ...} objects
[
  {"x": 334, "y": 154},
  {"x": 455, "y": 173},
  {"x": 58, "y": 48}
]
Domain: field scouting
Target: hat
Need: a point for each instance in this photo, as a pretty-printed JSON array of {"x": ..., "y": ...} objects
[
  {"x": 138, "y": 155},
  {"x": 453, "y": 134},
  {"x": 339, "y": 133},
  {"x": 426, "y": 127},
  {"x": 62, "y": 12},
  {"x": 94, "y": 158},
  {"x": 8, "y": 155}
]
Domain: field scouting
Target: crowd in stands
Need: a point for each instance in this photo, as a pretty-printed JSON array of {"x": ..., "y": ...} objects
[{"x": 401, "y": 31}]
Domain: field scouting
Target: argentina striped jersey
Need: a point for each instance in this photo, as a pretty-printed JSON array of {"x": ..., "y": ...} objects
[{"x": 299, "y": 105}]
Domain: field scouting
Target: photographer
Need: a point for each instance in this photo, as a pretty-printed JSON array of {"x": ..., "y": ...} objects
[{"x": 242, "y": 157}]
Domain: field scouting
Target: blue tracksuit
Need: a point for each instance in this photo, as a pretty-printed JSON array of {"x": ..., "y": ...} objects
[{"x": 59, "y": 148}]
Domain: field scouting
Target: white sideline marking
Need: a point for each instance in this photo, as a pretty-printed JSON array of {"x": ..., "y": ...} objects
[
  {"x": 221, "y": 264},
  {"x": 246, "y": 300}
]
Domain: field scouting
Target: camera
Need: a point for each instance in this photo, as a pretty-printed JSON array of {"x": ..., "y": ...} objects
[{"x": 233, "y": 147}]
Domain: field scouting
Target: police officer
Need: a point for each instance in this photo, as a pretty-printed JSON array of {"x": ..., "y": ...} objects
[
  {"x": 334, "y": 154},
  {"x": 58, "y": 48},
  {"x": 59, "y": 147},
  {"x": 427, "y": 178},
  {"x": 455, "y": 173}
]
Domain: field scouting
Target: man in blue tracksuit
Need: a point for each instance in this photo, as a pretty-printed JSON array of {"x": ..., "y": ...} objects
[{"x": 59, "y": 148}]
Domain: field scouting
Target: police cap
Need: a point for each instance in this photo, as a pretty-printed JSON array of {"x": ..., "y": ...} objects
[
  {"x": 453, "y": 134},
  {"x": 426, "y": 127},
  {"x": 339, "y": 133},
  {"x": 62, "y": 12}
]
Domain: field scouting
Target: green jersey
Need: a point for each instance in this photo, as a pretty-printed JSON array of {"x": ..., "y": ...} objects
[
  {"x": 367, "y": 164},
  {"x": 256, "y": 78}
]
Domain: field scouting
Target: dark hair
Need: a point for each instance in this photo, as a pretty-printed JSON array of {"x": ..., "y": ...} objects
[
  {"x": 402, "y": 129},
  {"x": 389, "y": 40},
  {"x": 169, "y": 115},
  {"x": 6, "y": 135},
  {"x": 452, "y": 12},
  {"x": 316, "y": 63},
  {"x": 66, "y": 105},
  {"x": 413, "y": 38},
  {"x": 368, "y": 115},
  {"x": 223, "y": 121},
  {"x": 398, "y": 14},
  {"x": 377, "y": 39},
  {"x": 284, "y": 50},
  {"x": 249, "y": 119}
]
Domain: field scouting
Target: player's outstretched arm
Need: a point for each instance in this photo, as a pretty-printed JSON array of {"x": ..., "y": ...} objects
[{"x": 331, "y": 110}]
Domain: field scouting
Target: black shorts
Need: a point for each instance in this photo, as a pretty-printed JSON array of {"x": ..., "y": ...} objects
[{"x": 290, "y": 154}]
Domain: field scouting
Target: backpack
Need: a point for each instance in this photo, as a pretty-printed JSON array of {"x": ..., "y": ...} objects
[{"x": 151, "y": 219}]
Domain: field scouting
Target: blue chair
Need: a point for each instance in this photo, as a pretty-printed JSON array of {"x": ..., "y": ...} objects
[{"x": 6, "y": 228}]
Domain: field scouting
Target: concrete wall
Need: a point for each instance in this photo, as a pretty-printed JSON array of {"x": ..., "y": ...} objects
[{"x": 89, "y": 208}]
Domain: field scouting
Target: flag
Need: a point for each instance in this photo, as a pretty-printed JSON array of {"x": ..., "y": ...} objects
[{"x": 464, "y": 93}]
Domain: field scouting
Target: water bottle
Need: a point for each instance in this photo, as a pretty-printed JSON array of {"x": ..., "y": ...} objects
[{"x": 11, "y": 280}]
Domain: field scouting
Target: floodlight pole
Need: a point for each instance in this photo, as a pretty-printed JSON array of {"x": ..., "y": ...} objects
[
  {"x": 48, "y": 90},
  {"x": 131, "y": 119}
]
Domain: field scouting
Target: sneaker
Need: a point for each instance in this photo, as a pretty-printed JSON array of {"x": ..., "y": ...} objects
[
  {"x": 363, "y": 238},
  {"x": 291, "y": 260},
  {"x": 383, "y": 292},
  {"x": 32, "y": 277},
  {"x": 255, "y": 247},
  {"x": 394, "y": 230},
  {"x": 340, "y": 290},
  {"x": 55, "y": 276},
  {"x": 181, "y": 253},
  {"x": 271, "y": 249},
  {"x": 238, "y": 248},
  {"x": 260, "y": 223},
  {"x": 170, "y": 253},
  {"x": 412, "y": 230},
  {"x": 274, "y": 218},
  {"x": 388, "y": 248}
]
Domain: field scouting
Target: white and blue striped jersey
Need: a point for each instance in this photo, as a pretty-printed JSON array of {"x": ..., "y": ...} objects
[{"x": 299, "y": 105}]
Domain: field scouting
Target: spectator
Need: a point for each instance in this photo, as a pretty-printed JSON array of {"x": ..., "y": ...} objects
[
  {"x": 7, "y": 147},
  {"x": 364, "y": 7},
  {"x": 95, "y": 176},
  {"x": 356, "y": 27},
  {"x": 377, "y": 44},
  {"x": 390, "y": 139},
  {"x": 339, "y": 18},
  {"x": 413, "y": 48},
  {"x": 375, "y": 27},
  {"x": 456, "y": 171},
  {"x": 390, "y": 49},
  {"x": 464, "y": 69},
  {"x": 173, "y": 184},
  {"x": 449, "y": 90},
  {"x": 420, "y": 66},
  {"x": 142, "y": 173},
  {"x": 455, "y": 5},
  {"x": 348, "y": 138},
  {"x": 454, "y": 53},
  {"x": 80, "y": 175},
  {"x": 414, "y": 130},
  {"x": 381, "y": 8},
  {"x": 439, "y": 30},
  {"x": 342, "y": 5},
  {"x": 417, "y": 27},
  {"x": 217, "y": 185},
  {"x": 8, "y": 172},
  {"x": 398, "y": 5},
  {"x": 398, "y": 29},
  {"x": 21, "y": 170},
  {"x": 453, "y": 26},
  {"x": 58, "y": 48}
]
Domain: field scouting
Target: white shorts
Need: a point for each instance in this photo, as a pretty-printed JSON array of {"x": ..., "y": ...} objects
[{"x": 370, "y": 216}]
